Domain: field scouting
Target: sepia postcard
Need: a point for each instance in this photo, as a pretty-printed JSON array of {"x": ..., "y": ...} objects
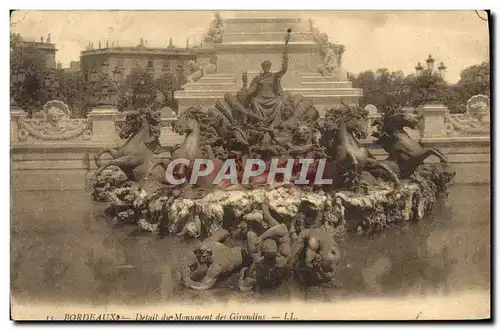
[{"x": 250, "y": 165}]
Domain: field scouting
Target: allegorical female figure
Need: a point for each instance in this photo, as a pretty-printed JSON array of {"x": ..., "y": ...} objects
[{"x": 264, "y": 97}]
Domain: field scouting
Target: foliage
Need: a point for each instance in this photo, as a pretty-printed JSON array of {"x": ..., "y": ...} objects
[
  {"x": 474, "y": 80},
  {"x": 33, "y": 84},
  {"x": 427, "y": 87},
  {"x": 381, "y": 87},
  {"x": 139, "y": 89},
  {"x": 393, "y": 89},
  {"x": 27, "y": 61},
  {"x": 75, "y": 93}
]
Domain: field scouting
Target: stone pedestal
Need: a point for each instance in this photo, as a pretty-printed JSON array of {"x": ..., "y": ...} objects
[
  {"x": 103, "y": 124},
  {"x": 433, "y": 121},
  {"x": 415, "y": 134},
  {"x": 168, "y": 137},
  {"x": 16, "y": 113},
  {"x": 247, "y": 42},
  {"x": 409, "y": 110},
  {"x": 324, "y": 91}
]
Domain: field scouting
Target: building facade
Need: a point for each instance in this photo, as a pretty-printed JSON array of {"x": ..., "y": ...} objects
[
  {"x": 74, "y": 66},
  {"x": 46, "y": 48},
  {"x": 118, "y": 62}
]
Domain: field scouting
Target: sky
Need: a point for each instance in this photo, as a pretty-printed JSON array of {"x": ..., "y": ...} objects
[{"x": 396, "y": 40}]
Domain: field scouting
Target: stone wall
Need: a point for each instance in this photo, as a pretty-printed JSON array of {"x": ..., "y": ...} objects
[
  {"x": 48, "y": 162},
  {"x": 54, "y": 162}
]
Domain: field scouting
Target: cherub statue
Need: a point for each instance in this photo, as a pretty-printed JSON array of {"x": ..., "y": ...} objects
[{"x": 212, "y": 259}]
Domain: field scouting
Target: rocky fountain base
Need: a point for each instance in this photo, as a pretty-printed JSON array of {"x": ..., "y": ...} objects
[{"x": 181, "y": 211}]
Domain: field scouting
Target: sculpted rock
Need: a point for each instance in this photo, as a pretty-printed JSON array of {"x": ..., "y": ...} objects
[{"x": 110, "y": 178}]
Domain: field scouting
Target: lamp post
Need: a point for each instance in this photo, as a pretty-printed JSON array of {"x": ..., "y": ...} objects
[
  {"x": 430, "y": 63},
  {"x": 117, "y": 75},
  {"x": 419, "y": 69},
  {"x": 105, "y": 67},
  {"x": 50, "y": 84},
  {"x": 442, "y": 69}
]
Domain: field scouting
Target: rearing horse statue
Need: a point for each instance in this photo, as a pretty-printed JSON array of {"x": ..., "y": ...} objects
[
  {"x": 405, "y": 153},
  {"x": 343, "y": 129},
  {"x": 188, "y": 124},
  {"x": 134, "y": 157}
]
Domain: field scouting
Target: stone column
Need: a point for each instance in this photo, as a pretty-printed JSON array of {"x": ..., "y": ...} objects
[
  {"x": 409, "y": 110},
  {"x": 433, "y": 121},
  {"x": 16, "y": 113},
  {"x": 168, "y": 137},
  {"x": 103, "y": 124}
]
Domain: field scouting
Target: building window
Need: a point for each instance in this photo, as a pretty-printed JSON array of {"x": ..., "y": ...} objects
[
  {"x": 118, "y": 74},
  {"x": 166, "y": 66},
  {"x": 151, "y": 67},
  {"x": 105, "y": 66}
]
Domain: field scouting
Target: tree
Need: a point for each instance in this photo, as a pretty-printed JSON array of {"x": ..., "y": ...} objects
[
  {"x": 168, "y": 84},
  {"x": 27, "y": 74},
  {"x": 427, "y": 87},
  {"x": 381, "y": 87},
  {"x": 33, "y": 84},
  {"x": 136, "y": 91},
  {"x": 74, "y": 91},
  {"x": 140, "y": 88},
  {"x": 475, "y": 79}
]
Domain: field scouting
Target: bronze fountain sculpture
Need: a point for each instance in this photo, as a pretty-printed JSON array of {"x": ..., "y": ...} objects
[{"x": 264, "y": 123}]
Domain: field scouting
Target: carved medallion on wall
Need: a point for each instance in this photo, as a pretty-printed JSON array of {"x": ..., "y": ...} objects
[{"x": 54, "y": 123}]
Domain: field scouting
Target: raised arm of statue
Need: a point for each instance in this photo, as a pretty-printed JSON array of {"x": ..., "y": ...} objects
[{"x": 244, "y": 78}]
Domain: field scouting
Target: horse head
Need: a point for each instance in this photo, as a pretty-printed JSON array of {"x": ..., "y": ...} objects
[
  {"x": 353, "y": 119},
  {"x": 132, "y": 125},
  {"x": 394, "y": 120},
  {"x": 404, "y": 119},
  {"x": 302, "y": 133}
]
